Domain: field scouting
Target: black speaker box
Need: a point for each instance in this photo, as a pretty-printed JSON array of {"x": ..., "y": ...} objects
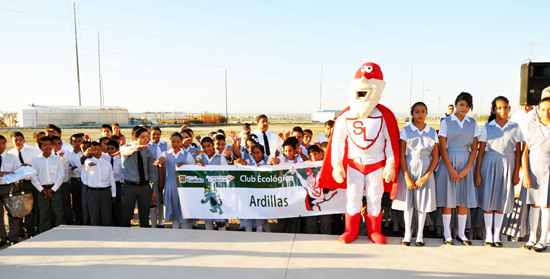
[{"x": 535, "y": 76}]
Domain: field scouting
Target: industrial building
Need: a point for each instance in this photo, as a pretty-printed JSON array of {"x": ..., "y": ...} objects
[{"x": 35, "y": 116}]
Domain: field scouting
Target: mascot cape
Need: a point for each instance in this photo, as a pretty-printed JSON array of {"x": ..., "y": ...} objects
[{"x": 326, "y": 180}]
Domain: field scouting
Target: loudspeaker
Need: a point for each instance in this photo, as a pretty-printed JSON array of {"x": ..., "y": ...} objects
[{"x": 535, "y": 76}]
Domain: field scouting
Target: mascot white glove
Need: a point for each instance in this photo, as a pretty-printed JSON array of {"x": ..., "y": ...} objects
[
  {"x": 338, "y": 172},
  {"x": 389, "y": 171}
]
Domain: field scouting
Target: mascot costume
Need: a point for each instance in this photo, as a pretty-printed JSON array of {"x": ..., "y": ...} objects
[{"x": 363, "y": 154}]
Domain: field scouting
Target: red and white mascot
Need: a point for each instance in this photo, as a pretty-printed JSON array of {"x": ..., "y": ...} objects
[{"x": 363, "y": 154}]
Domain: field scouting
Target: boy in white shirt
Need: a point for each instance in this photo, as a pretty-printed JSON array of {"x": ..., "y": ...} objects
[
  {"x": 101, "y": 192},
  {"x": 25, "y": 154},
  {"x": 298, "y": 133},
  {"x": 328, "y": 131},
  {"x": 48, "y": 181},
  {"x": 75, "y": 180},
  {"x": 8, "y": 164},
  {"x": 116, "y": 164}
]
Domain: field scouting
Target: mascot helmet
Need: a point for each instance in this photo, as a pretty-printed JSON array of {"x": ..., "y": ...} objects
[{"x": 366, "y": 89}]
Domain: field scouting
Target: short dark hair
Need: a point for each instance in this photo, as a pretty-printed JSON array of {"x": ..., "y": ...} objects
[
  {"x": 547, "y": 99},
  {"x": 113, "y": 143},
  {"x": 76, "y": 136},
  {"x": 42, "y": 140},
  {"x": 298, "y": 129},
  {"x": 36, "y": 134},
  {"x": 451, "y": 105},
  {"x": 156, "y": 128},
  {"x": 137, "y": 132},
  {"x": 53, "y": 127},
  {"x": 220, "y": 131},
  {"x": 107, "y": 126},
  {"x": 246, "y": 125},
  {"x": 329, "y": 123},
  {"x": 3, "y": 138},
  {"x": 314, "y": 148},
  {"x": 17, "y": 134},
  {"x": 54, "y": 138},
  {"x": 219, "y": 137},
  {"x": 467, "y": 97},
  {"x": 308, "y": 131},
  {"x": 86, "y": 144},
  {"x": 102, "y": 139},
  {"x": 114, "y": 137},
  {"x": 95, "y": 143},
  {"x": 260, "y": 117},
  {"x": 291, "y": 141}
]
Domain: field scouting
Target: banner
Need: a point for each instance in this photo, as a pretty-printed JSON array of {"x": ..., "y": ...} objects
[{"x": 251, "y": 192}]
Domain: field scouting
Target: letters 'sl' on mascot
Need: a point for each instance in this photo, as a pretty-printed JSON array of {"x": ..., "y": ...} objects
[{"x": 363, "y": 154}]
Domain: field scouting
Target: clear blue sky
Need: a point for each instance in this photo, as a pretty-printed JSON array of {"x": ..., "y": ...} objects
[{"x": 170, "y": 55}]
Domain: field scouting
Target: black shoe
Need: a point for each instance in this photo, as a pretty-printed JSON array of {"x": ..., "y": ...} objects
[
  {"x": 489, "y": 244},
  {"x": 241, "y": 229},
  {"x": 160, "y": 226},
  {"x": 419, "y": 244},
  {"x": 448, "y": 242},
  {"x": 498, "y": 244},
  {"x": 13, "y": 242},
  {"x": 195, "y": 227},
  {"x": 3, "y": 243},
  {"x": 465, "y": 242},
  {"x": 22, "y": 236},
  {"x": 529, "y": 245},
  {"x": 537, "y": 249},
  {"x": 405, "y": 243}
]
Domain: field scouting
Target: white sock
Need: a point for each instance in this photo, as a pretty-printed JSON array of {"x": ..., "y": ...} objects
[
  {"x": 462, "y": 226},
  {"x": 420, "y": 231},
  {"x": 408, "y": 214},
  {"x": 186, "y": 226},
  {"x": 223, "y": 229},
  {"x": 208, "y": 225},
  {"x": 498, "y": 227},
  {"x": 488, "y": 218},
  {"x": 160, "y": 212},
  {"x": 544, "y": 224},
  {"x": 153, "y": 215},
  {"x": 447, "y": 226},
  {"x": 175, "y": 224},
  {"x": 534, "y": 214},
  {"x": 259, "y": 228}
]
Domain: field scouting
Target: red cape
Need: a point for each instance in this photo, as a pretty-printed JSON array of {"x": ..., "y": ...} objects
[{"x": 326, "y": 180}]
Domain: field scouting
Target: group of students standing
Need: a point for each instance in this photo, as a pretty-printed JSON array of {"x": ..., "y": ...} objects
[
  {"x": 491, "y": 178},
  {"x": 461, "y": 175}
]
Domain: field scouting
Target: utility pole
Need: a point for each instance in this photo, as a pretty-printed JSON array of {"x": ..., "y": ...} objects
[
  {"x": 321, "y": 87},
  {"x": 76, "y": 48},
  {"x": 480, "y": 103},
  {"x": 101, "y": 97},
  {"x": 226, "y": 115},
  {"x": 411, "y": 88},
  {"x": 438, "y": 105},
  {"x": 423, "y": 83}
]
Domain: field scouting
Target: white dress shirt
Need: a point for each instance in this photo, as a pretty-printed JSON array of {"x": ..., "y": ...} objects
[
  {"x": 403, "y": 133},
  {"x": 274, "y": 142},
  {"x": 50, "y": 171},
  {"x": 10, "y": 162},
  {"x": 285, "y": 161},
  {"x": 188, "y": 161},
  {"x": 117, "y": 168},
  {"x": 66, "y": 160},
  {"x": 75, "y": 162},
  {"x": 545, "y": 130},
  {"x": 100, "y": 175},
  {"x": 483, "y": 135},
  {"x": 322, "y": 138}
]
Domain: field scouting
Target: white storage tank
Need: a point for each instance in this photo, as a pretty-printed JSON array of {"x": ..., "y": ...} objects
[
  {"x": 325, "y": 115},
  {"x": 34, "y": 116}
]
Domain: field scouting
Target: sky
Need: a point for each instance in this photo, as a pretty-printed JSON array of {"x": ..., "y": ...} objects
[{"x": 280, "y": 56}]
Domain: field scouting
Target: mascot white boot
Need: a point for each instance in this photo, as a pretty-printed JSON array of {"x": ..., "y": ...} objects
[{"x": 363, "y": 153}]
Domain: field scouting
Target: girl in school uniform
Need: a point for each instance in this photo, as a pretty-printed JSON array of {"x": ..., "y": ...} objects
[
  {"x": 208, "y": 158},
  {"x": 173, "y": 158},
  {"x": 536, "y": 179},
  {"x": 187, "y": 144},
  {"x": 454, "y": 179},
  {"x": 416, "y": 185},
  {"x": 116, "y": 132},
  {"x": 497, "y": 168}
]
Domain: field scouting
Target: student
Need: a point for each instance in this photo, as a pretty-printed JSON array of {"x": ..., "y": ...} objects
[
  {"x": 536, "y": 168},
  {"x": 497, "y": 169},
  {"x": 298, "y": 133},
  {"x": 37, "y": 136},
  {"x": 246, "y": 129},
  {"x": 318, "y": 223},
  {"x": 244, "y": 157},
  {"x": 219, "y": 146},
  {"x": 258, "y": 159},
  {"x": 103, "y": 142},
  {"x": 106, "y": 130},
  {"x": 308, "y": 136},
  {"x": 53, "y": 130},
  {"x": 156, "y": 133},
  {"x": 88, "y": 153},
  {"x": 115, "y": 138},
  {"x": 116, "y": 164},
  {"x": 48, "y": 181},
  {"x": 210, "y": 157},
  {"x": 8, "y": 164},
  {"x": 175, "y": 158},
  {"x": 76, "y": 179},
  {"x": 450, "y": 110},
  {"x": 419, "y": 151},
  {"x": 458, "y": 136},
  {"x": 289, "y": 225},
  {"x": 268, "y": 139},
  {"x": 138, "y": 175},
  {"x": 154, "y": 209},
  {"x": 25, "y": 154},
  {"x": 65, "y": 186},
  {"x": 116, "y": 132},
  {"x": 163, "y": 147},
  {"x": 188, "y": 144},
  {"x": 328, "y": 131},
  {"x": 101, "y": 191}
]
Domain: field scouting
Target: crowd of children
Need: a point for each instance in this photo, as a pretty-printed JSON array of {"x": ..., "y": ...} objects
[{"x": 493, "y": 180}]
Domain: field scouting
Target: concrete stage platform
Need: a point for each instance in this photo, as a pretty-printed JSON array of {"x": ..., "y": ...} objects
[{"x": 101, "y": 252}]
